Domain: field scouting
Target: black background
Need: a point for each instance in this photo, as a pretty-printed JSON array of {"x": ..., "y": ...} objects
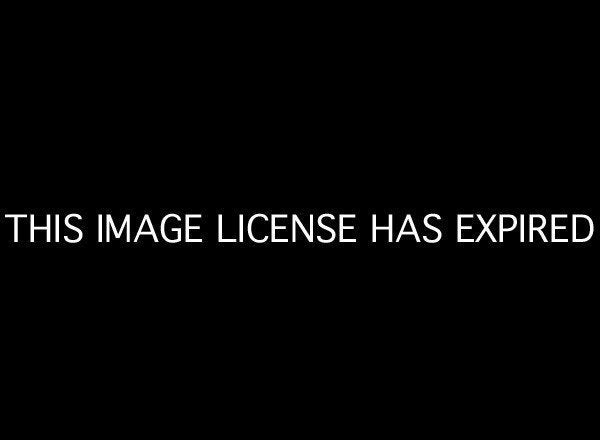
[{"x": 386, "y": 112}]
